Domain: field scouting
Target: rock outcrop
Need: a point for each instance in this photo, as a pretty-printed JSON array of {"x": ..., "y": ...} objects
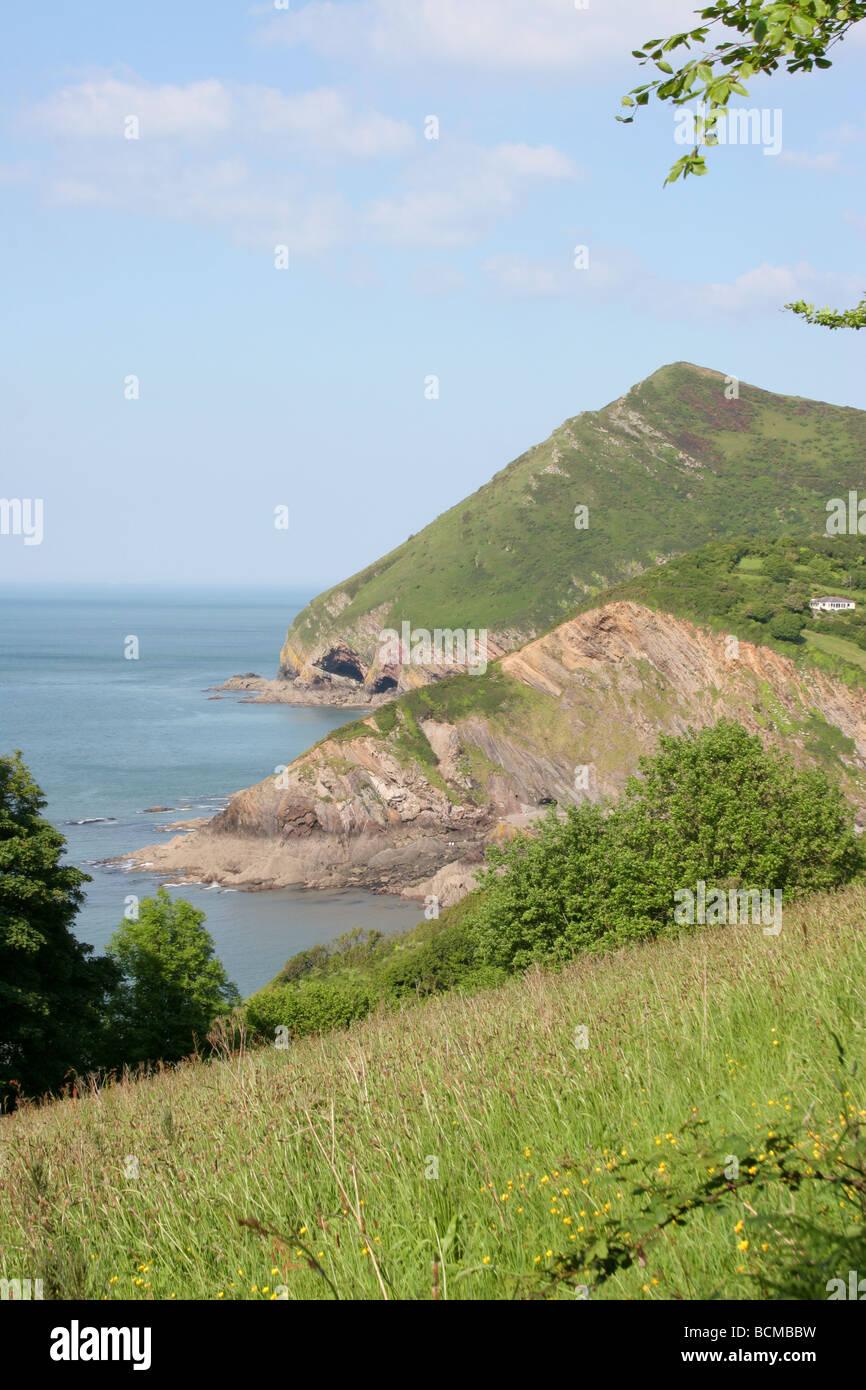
[{"x": 406, "y": 799}]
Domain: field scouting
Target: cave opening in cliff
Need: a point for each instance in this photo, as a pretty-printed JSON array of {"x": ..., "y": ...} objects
[
  {"x": 339, "y": 661},
  {"x": 383, "y": 683}
]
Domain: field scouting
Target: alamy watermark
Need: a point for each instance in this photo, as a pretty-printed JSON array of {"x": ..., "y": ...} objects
[
  {"x": 14, "y": 1290},
  {"x": 451, "y": 647},
  {"x": 77, "y": 1343},
  {"x": 729, "y": 125},
  {"x": 855, "y": 1288},
  {"x": 731, "y": 907},
  {"x": 23, "y": 516},
  {"x": 846, "y": 517}
]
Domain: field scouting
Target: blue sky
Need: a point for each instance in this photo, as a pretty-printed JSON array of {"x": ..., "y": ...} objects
[{"x": 409, "y": 257}]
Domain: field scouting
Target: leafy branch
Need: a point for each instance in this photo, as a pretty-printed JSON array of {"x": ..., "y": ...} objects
[
  {"x": 796, "y": 35},
  {"x": 831, "y": 318}
]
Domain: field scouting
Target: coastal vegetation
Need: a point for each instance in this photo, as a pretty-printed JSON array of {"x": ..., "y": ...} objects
[
  {"x": 561, "y": 1085},
  {"x": 53, "y": 990},
  {"x": 65, "y": 1012},
  {"x": 680, "y": 459},
  {"x": 712, "y": 807},
  {"x": 759, "y": 588},
  {"x": 628, "y": 1126},
  {"x": 553, "y": 1089}
]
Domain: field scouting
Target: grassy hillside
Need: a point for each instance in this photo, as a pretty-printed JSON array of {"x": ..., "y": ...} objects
[
  {"x": 738, "y": 587},
  {"x": 476, "y": 1134},
  {"x": 744, "y": 587},
  {"x": 760, "y": 588},
  {"x": 669, "y": 465}
]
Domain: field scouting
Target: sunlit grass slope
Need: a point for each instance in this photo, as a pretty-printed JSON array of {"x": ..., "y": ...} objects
[{"x": 333, "y": 1145}]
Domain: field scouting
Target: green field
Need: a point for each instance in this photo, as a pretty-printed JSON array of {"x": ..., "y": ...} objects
[
  {"x": 836, "y": 646},
  {"x": 471, "y": 1148}
]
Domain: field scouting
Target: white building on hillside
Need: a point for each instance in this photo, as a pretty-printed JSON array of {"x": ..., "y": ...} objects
[{"x": 832, "y": 604}]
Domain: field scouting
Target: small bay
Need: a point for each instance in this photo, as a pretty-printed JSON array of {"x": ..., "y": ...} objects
[{"x": 107, "y": 738}]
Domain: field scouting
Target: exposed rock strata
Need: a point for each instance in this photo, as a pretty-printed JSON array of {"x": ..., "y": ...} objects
[{"x": 594, "y": 693}]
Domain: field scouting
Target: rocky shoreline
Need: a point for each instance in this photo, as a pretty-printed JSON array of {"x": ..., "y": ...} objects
[
  {"x": 261, "y": 690},
  {"x": 398, "y": 806},
  {"x": 413, "y": 869}
]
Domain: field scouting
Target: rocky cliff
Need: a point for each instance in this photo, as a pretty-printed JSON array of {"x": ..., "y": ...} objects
[
  {"x": 406, "y": 799},
  {"x": 683, "y": 456}
]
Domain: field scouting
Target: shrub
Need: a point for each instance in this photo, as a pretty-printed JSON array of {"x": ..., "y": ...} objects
[
  {"x": 713, "y": 806},
  {"x": 313, "y": 1006},
  {"x": 786, "y": 627},
  {"x": 760, "y": 609},
  {"x": 446, "y": 961}
]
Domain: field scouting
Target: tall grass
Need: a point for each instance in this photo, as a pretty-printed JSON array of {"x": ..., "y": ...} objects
[{"x": 464, "y": 1147}]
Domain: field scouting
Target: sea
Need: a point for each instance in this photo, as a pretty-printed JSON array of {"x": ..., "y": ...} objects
[{"x": 111, "y": 728}]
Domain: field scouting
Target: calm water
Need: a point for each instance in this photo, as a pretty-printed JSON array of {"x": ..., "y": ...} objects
[{"x": 107, "y": 737}]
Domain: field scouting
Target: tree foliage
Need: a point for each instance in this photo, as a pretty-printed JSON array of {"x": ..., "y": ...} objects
[
  {"x": 52, "y": 993},
  {"x": 712, "y": 806},
  {"x": 831, "y": 318},
  {"x": 172, "y": 987}
]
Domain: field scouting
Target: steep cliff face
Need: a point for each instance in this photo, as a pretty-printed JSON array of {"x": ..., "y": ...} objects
[
  {"x": 609, "y": 494},
  {"x": 407, "y": 799}
]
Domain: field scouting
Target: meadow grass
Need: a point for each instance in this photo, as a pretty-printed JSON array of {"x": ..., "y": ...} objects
[
  {"x": 331, "y": 1148},
  {"x": 836, "y": 646}
]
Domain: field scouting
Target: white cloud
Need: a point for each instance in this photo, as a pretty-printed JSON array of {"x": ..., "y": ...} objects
[
  {"x": 829, "y": 163},
  {"x": 259, "y": 209},
  {"x": 530, "y": 35},
  {"x": 846, "y": 134},
  {"x": 263, "y": 164},
  {"x": 615, "y": 274},
  {"x": 99, "y": 107},
  {"x": 16, "y": 173},
  {"x": 314, "y": 122},
  {"x": 526, "y": 278},
  {"x": 456, "y": 196},
  {"x": 324, "y": 118},
  {"x": 767, "y": 287}
]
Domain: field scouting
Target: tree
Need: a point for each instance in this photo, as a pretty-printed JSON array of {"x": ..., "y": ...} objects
[
  {"x": 776, "y": 567},
  {"x": 52, "y": 994},
  {"x": 172, "y": 987},
  {"x": 797, "y": 597},
  {"x": 712, "y": 806},
  {"x": 796, "y": 35},
  {"x": 786, "y": 627},
  {"x": 759, "y": 609}
]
